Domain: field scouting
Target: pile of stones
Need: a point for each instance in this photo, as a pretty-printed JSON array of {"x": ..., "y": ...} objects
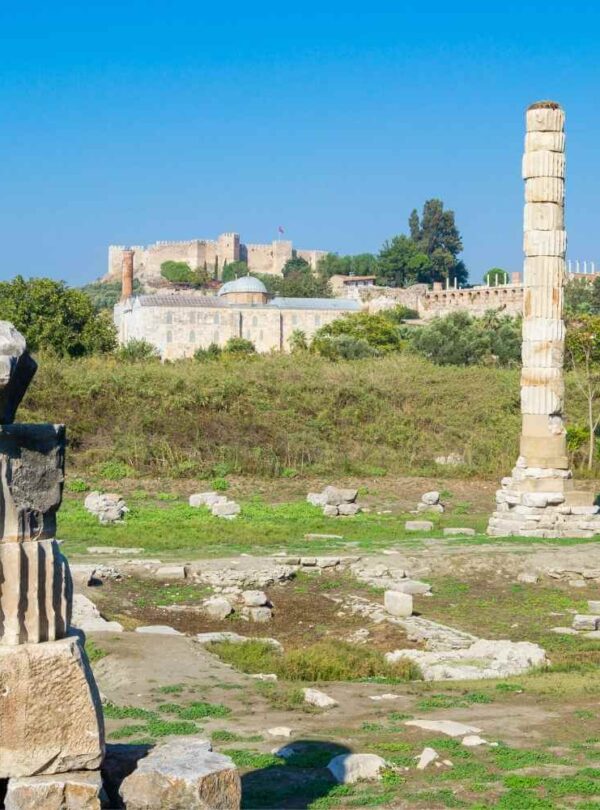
[
  {"x": 106, "y": 506},
  {"x": 430, "y": 502},
  {"x": 255, "y": 607},
  {"x": 335, "y": 501},
  {"x": 219, "y": 505},
  {"x": 589, "y": 622}
]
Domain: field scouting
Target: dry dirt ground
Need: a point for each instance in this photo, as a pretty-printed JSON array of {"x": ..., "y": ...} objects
[{"x": 547, "y": 724}]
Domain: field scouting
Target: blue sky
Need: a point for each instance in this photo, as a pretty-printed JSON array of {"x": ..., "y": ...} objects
[{"x": 142, "y": 120}]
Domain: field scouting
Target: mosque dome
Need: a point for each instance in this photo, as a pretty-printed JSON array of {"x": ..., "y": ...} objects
[{"x": 244, "y": 284}]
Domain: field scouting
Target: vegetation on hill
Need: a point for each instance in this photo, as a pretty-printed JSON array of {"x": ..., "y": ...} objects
[
  {"x": 182, "y": 273},
  {"x": 105, "y": 294},
  {"x": 284, "y": 414}
]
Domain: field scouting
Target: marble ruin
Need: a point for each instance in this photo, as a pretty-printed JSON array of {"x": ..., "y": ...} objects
[
  {"x": 539, "y": 499},
  {"x": 50, "y": 711}
]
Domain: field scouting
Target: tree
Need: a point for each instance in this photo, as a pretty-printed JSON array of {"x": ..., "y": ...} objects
[
  {"x": 581, "y": 297},
  {"x": 435, "y": 234},
  {"x": 297, "y": 341},
  {"x": 381, "y": 334},
  {"x": 296, "y": 284},
  {"x": 238, "y": 345},
  {"x": 55, "y": 318},
  {"x": 234, "y": 270},
  {"x": 583, "y": 352},
  {"x": 459, "y": 339},
  {"x": 401, "y": 263},
  {"x": 105, "y": 294},
  {"x": 362, "y": 264},
  {"x": 296, "y": 265},
  {"x": 135, "y": 351},
  {"x": 495, "y": 277},
  {"x": 177, "y": 272}
]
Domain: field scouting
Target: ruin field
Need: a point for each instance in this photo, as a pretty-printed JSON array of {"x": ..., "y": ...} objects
[{"x": 527, "y": 740}]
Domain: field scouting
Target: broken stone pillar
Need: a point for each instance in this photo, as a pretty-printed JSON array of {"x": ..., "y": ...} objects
[
  {"x": 50, "y": 711},
  {"x": 539, "y": 499}
]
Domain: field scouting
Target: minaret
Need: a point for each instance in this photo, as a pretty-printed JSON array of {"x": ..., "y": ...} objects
[
  {"x": 539, "y": 500},
  {"x": 127, "y": 274}
]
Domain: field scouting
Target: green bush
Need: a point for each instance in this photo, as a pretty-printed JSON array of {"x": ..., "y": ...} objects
[
  {"x": 136, "y": 350},
  {"x": 213, "y": 352},
  {"x": 115, "y": 470},
  {"x": 237, "y": 345},
  {"x": 220, "y": 484},
  {"x": 378, "y": 332},
  {"x": 344, "y": 347},
  {"x": 177, "y": 272},
  {"x": 76, "y": 485}
]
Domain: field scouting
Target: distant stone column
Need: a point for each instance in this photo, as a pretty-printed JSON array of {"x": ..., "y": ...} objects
[
  {"x": 127, "y": 274},
  {"x": 539, "y": 499}
]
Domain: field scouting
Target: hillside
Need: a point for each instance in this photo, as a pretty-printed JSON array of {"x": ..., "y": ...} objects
[{"x": 273, "y": 415}]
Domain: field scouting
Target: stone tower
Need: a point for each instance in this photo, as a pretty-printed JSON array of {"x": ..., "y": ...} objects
[{"x": 539, "y": 499}]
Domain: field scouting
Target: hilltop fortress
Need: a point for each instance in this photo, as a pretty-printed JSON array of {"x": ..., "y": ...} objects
[{"x": 212, "y": 254}]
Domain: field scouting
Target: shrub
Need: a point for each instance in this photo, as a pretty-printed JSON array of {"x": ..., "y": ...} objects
[
  {"x": 76, "y": 485},
  {"x": 237, "y": 345},
  {"x": 220, "y": 484},
  {"x": 115, "y": 470},
  {"x": 213, "y": 352},
  {"x": 344, "y": 347},
  {"x": 377, "y": 331},
  {"x": 177, "y": 272},
  {"x": 297, "y": 341},
  {"x": 136, "y": 350}
]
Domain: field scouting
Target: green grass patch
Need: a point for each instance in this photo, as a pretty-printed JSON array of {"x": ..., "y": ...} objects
[
  {"x": 195, "y": 711},
  {"x": 442, "y": 701},
  {"x": 328, "y": 660}
]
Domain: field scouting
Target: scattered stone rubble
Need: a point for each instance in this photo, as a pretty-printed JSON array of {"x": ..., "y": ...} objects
[
  {"x": 86, "y": 617},
  {"x": 347, "y": 769},
  {"x": 430, "y": 502},
  {"x": 319, "y": 699},
  {"x": 219, "y": 505},
  {"x": 106, "y": 506},
  {"x": 335, "y": 501}
]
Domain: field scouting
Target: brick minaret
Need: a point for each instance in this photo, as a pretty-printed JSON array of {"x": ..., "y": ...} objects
[
  {"x": 539, "y": 499},
  {"x": 127, "y": 274}
]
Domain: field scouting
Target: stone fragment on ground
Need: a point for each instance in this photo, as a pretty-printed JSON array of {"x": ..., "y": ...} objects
[
  {"x": 228, "y": 509},
  {"x": 264, "y": 676},
  {"x": 280, "y": 731},
  {"x": 414, "y": 587},
  {"x": 458, "y": 531},
  {"x": 397, "y": 603},
  {"x": 115, "y": 550},
  {"x": 583, "y": 621},
  {"x": 171, "y": 572},
  {"x": 183, "y": 774},
  {"x": 255, "y": 598},
  {"x": 418, "y": 525},
  {"x": 386, "y": 696},
  {"x": 217, "y": 607},
  {"x": 426, "y": 757},
  {"x": 108, "y": 507},
  {"x": 473, "y": 741},
  {"x": 86, "y": 617},
  {"x": 235, "y": 638},
  {"x": 323, "y": 536},
  {"x": 430, "y": 502},
  {"x": 260, "y": 615},
  {"x": 158, "y": 630},
  {"x": 347, "y": 769},
  {"x": 335, "y": 501},
  {"x": 450, "y": 728},
  {"x": 482, "y": 659},
  {"x": 206, "y": 499},
  {"x": 77, "y": 790},
  {"x": 528, "y": 578},
  {"x": 317, "y": 698},
  {"x": 594, "y": 606},
  {"x": 50, "y": 709}
]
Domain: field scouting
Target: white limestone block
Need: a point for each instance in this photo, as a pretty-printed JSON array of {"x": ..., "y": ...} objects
[
  {"x": 347, "y": 769},
  {"x": 78, "y": 790},
  {"x": 544, "y": 271},
  {"x": 545, "y": 119},
  {"x": 544, "y": 216},
  {"x": 317, "y": 698},
  {"x": 427, "y": 756},
  {"x": 398, "y": 604},
  {"x": 543, "y": 354},
  {"x": 545, "y": 243},
  {"x": 543, "y": 329},
  {"x": 538, "y": 140},
  {"x": 543, "y": 164},
  {"x": 545, "y": 189}
]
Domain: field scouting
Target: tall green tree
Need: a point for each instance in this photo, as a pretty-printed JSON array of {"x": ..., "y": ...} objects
[
  {"x": 583, "y": 353},
  {"x": 401, "y": 263},
  {"x": 55, "y": 318},
  {"x": 435, "y": 234},
  {"x": 362, "y": 264},
  {"x": 495, "y": 276}
]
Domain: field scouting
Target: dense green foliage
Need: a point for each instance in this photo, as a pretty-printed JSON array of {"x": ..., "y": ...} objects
[
  {"x": 436, "y": 235},
  {"x": 495, "y": 277},
  {"x": 581, "y": 297},
  {"x": 234, "y": 270},
  {"x": 460, "y": 339},
  {"x": 105, "y": 294},
  {"x": 362, "y": 264},
  {"x": 55, "y": 318},
  {"x": 358, "y": 335},
  {"x": 402, "y": 263},
  {"x": 182, "y": 273},
  {"x": 136, "y": 350}
]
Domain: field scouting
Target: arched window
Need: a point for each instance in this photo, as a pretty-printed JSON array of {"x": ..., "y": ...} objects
[
  {"x": 191, "y": 316},
  {"x": 192, "y": 336},
  {"x": 169, "y": 336},
  {"x": 254, "y": 320},
  {"x": 216, "y": 317},
  {"x": 169, "y": 317},
  {"x": 317, "y": 320},
  {"x": 294, "y": 320}
]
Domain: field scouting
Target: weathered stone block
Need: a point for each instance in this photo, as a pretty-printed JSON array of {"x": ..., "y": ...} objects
[
  {"x": 550, "y": 141},
  {"x": 543, "y": 163},
  {"x": 183, "y": 774},
  {"x": 545, "y": 243},
  {"x": 49, "y": 710},
  {"x": 32, "y": 477},
  {"x": 398, "y": 604},
  {"x": 586, "y": 622},
  {"x": 338, "y": 495},
  {"x": 545, "y": 118},
  {"x": 544, "y": 216},
  {"x": 17, "y": 369},
  {"x": 78, "y": 790},
  {"x": 348, "y": 509},
  {"x": 545, "y": 189},
  {"x": 459, "y": 532},
  {"x": 418, "y": 525}
]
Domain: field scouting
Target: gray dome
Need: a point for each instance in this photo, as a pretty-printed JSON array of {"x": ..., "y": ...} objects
[{"x": 245, "y": 284}]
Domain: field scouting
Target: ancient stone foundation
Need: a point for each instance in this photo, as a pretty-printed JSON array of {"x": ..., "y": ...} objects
[{"x": 539, "y": 498}]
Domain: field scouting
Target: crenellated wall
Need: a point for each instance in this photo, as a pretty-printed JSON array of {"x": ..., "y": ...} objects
[{"x": 214, "y": 254}]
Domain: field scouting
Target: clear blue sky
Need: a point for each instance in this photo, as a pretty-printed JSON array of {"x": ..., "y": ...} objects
[{"x": 142, "y": 120}]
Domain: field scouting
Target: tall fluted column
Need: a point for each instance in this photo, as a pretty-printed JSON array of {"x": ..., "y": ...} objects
[{"x": 539, "y": 499}]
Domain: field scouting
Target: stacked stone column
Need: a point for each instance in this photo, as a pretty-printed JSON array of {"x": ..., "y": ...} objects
[
  {"x": 539, "y": 499},
  {"x": 50, "y": 710}
]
